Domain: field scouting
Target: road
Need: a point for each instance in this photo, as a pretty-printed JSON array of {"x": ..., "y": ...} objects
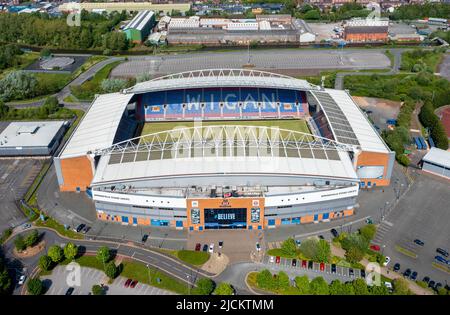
[{"x": 163, "y": 262}]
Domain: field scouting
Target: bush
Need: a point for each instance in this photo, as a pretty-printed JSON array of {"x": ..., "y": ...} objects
[
  {"x": 113, "y": 85},
  {"x": 368, "y": 231},
  {"x": 289, "y": 247},
  {"x": 45, "y": 262},
  {"x": 20, "y": 244},
  {"x": 400, "y": 287},
  {"x": 265, "y": 280},
  {"x": 315, "y": 250},
  {"x": 35, "y": 287},
  {"x": 319, "y": 286},
  {"x": 205, "y": 286},
  {"x": 18, "y": 85},
  {"x": 403, "y": 160},
  {"x": 56, "y": 253},
  {"x": 224, "y": 289},
  {"x": 302, "y": 284}
]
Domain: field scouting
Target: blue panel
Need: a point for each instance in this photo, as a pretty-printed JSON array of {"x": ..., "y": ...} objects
[
  {"x": 287, "y": 99},
  {"x": 271, "y": 222},
  {"x": 268, "y": 99},
  {"x": 295, "y": 220},
  {"x": 325, "y": 216},
  {"x": 191, "y": 228},
  {"x": 212, "y": 99},
  {"x": 193, "y": 100},
  {"x": 134, "y": 220},
  {"x": 316, "y": 217},
  {"x": 155, "y": 222},
  {"x": 250, "y": 227},
  {"x": 124, "y": 219},
  {"x": 286, "y": 221},
  {"x": 179, "y": 223},
  {"x": 175, "y": 100},
  {"x": 259, "y": 227},
  {"x": 230, "y": 99},
  {"x": 249, "y": 98},
  {"x": 200, "y": 228}
]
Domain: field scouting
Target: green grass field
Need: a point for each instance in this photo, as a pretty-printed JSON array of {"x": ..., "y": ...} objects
[{"x": 289, "y": 124}]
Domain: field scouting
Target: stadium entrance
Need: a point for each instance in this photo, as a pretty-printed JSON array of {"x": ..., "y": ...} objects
[{"x": 235, "y": 218}]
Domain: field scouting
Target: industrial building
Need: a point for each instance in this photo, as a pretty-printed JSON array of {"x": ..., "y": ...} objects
[
  {"x": 124, "y": 6},
  {"x": 39, "y": 138},
  {"x": 366, "y": 30},
  {"x": 233, "y": 172},
  {"x": 216, "y": 31},
  {"x": 437, "y": 161},
  {"x": 138, "y": 29}
]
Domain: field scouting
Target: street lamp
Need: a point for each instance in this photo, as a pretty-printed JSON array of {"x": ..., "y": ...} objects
[
  {"x": 189, "y": 285},
  {"x": 149, "y": 277},
  {"x": 382, "y": 250}
]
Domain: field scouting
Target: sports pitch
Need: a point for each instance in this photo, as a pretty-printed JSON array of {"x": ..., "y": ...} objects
[{"x": 289, "y": 124}]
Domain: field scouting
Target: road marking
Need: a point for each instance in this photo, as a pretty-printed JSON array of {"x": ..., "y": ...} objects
[{"x": 388, "y": 223}]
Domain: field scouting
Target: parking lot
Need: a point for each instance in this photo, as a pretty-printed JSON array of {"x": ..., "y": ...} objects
[
  {"x": 422, "y": 214},
  {"x": 16, "y": 175},
  {"x": 56, "y": 284},
  {"x": 313, "y": 269}
]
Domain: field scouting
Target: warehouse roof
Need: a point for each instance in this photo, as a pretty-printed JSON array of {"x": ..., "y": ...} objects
[
  {"x": 99, "y": 125},
  {"x": 140, "y": 20},
  {"x": 29, "y": 134},
  {"x": 366, "y": 29},
  {"x": 438, "y": 156}
]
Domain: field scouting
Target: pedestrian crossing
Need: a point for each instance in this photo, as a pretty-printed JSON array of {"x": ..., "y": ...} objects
[
  {"x": 382, "y": 230},
  {"x": 272, "y": 245}
]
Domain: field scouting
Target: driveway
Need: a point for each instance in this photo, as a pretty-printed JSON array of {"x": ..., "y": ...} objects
[{"x": 57, "y": 283}]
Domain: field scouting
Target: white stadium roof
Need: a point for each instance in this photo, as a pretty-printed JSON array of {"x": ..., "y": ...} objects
[
  {"x": 347, "y": 121},
  {"x": 99, "y": 125},
  {"x": 438, "y": 156},
  {"x": 221, "y": 78}
]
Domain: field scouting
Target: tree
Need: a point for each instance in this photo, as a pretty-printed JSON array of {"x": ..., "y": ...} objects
[
  {"x": 312, "y": 15},
  {"x": 336, "y": 287},
  {"x": 111, "y": 270},
  {"x": 113, "y": 85},
  {"x": 32, "y": 238},
  {"x": 368, "y": 231},
  {"x": 18, "y": 85},
  {"x": 19, "y": 242},
  {"x": 5, "y": 280},
  {"x": 103, "y": 254},
  {"x": 360, "y": 287},
  {"x": 35, "y": 287},
  {"x": 45, "y": 53},
  {"x": 289, "y": 248},
  {"x": 379, "y": 290},
  {"x": 264, "y": 279},
  {"x": 97, "y": 290},
  {"x": 56, "y": 253},
  {"x": 51, "y": 104},
  {"x": 348, "y": 289},
  {"x": 45, "y": 262},
  {"x": 302, "y": 284},
  {"x": 319, "y": 286},
  {"x": 354, "y": 255},
  {"x": 283, "y": 281},
  {"x": 323, "y": 251},
  {"x": 224, "y": 289},
  {"x": 400, "y": 287},
  {"x": 70, "y": 251},
  {"x": 309, "y": 248},
  {"x": 205, "y": 286}
]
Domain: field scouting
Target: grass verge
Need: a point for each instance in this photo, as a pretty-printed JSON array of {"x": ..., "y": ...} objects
[
  {"x": 441, "y": 267},
  {"x": 406, "y": 252},
  {"x": 53, "y": 224},
  {"x": 193, "y": 257}
]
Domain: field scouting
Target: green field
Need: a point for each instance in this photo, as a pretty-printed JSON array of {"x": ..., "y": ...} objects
[{"x": 289, "y": 124}]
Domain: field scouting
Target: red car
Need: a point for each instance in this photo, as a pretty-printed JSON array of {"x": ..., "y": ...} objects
[
  {"x": 277, "y": 259},
  {"x": 304, "y": 264},
  {"x": 375, "y": 248},
  {"x": 322, "y": 266},
  {"x": 197, "y": 247},
  {"x": 133, "y": 283},
  {"x": 127, "y": 283}
]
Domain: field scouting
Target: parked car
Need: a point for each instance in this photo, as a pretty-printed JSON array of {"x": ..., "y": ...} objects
[
  {"x": 310, "y": 264},
  {"x": 277, "y": 260},
  {"x": 441, "y": 259},
  {"x": 205, "y": 248},
  {"x": 441, "y": 251},
  {"x": 198, "y": 246},
  {"x": 22, "y": 279},
  {"x": 389, "y": 286},
  {"x": 220, "y": 244},
  {"x": 426, "y": 279},
  {"x": 387, "y": 260},
  {"x": 322, "y": 266},
  {"x": 396, "y": 267},
  {"x": 438, "y": 286},
  {"x": 80, "y": 227},
  {"x": 321, "y": 237},
  {"x": 304, "y": 264},
  {"x": 258, "y": 247},
  {"x": 133, "y": 284},
  {"x": 26, "y": 226},
  {"x": 333, "y": 268},
  {"x": 298, "y": 242},
  {"x": 145, "y": 237},
  {"x": 375, "y": 248},
  {"x": 211, "y": 248},
  {"x": 294, "y": 262},
  {"x": 407, "y": 273},
  {"x": 85, "y": 229},
  {"x": 70, "y": 291},
  {"x": 351, "y": 272},
  {"x": 419, "y": 242},
  {"x": 431, "y": 284},
  {"x": 271, "y": 259},
  {"x": 334, "y": 232},
  {"x": 363, "y": 273},
  {"x": 127, "y": 283},
  {"x": 413, "y": 276}
]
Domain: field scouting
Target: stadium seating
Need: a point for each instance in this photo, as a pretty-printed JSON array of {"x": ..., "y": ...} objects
[{"x": 214, "y": 103}]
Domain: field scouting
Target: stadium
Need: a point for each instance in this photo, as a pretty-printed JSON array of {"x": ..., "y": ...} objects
[{"x": 224, "y": 149}]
